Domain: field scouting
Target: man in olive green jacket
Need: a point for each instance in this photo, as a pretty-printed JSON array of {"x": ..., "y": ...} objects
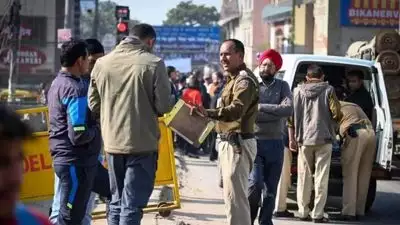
[{"x": 130, "y": 89}]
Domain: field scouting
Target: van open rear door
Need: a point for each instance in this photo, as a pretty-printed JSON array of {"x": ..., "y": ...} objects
[{"x": 384, "y": 130}]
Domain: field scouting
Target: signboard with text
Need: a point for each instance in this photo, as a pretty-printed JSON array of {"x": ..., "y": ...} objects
[
  {"x": 201, "y": 44},
  {"x": 27, "y": 57},
  {"x": 63, "y": 35},
  {"x": 38, "y": 170},
  {"x": 370, "y": 13},
  {"x": 33, "y": 30}
]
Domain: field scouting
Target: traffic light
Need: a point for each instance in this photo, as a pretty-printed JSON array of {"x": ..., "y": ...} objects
[
  {"x": 122, "y": 30},
  {"x": 122, "y": 15},
  {"x": 122, "y": 12}
]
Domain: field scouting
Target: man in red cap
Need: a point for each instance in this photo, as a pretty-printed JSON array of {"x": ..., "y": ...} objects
[{"x": 274, "y": 106}]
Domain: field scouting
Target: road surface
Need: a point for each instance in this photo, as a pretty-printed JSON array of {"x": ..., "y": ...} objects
[{"x": 202, "y": 202}]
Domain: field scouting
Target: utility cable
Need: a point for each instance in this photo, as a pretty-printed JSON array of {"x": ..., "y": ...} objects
[{"x": 4, "y": 28}]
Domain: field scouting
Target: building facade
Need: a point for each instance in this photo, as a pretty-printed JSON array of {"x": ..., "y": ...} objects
[
  {"x": 328, "y": 27},
  {"x": 37, "y": 55},
  {"x": 240, "y": 19}
]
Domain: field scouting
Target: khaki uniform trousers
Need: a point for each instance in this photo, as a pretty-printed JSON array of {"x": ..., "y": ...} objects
[
  {"x": 357, "y": 160},
  {"x": 284, "y": 182},
  {"x": 217, "y": 141},
  {"x": 313, "y": 160},
  {"x": 235, "y": 170}
]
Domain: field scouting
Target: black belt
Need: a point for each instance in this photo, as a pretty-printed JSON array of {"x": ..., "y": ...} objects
[
  {"x": 360, "y": 126},
  {"x": 244, "y": 136}
]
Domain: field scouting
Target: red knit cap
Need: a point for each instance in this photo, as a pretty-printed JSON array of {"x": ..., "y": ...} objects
[{"x": 274, "y": 56}]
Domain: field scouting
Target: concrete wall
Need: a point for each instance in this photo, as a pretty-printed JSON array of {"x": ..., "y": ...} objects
[
  {"x": 330, "y": 38},
  {"x": 261, "y": 30},
  {"x": 320, "y": 40},
  {"x": 250, "y": 29},
  {"x": 304, "y": 29}
]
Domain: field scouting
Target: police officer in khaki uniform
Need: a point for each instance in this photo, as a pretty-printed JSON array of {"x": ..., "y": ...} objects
[
  {"x": 235, "y": 126},
  {"x": 357, "y": 158}
]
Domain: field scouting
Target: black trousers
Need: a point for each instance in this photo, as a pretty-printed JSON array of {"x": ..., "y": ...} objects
[
  {"x": 101, "y": 182},
  {"x": 76, "y": 184}
]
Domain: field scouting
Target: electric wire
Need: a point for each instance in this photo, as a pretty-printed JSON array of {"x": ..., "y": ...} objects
[{"x": 4, "y": 29}]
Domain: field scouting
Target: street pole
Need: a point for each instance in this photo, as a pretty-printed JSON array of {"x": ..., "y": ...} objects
[
  {"x": 96, "y": 19},
  {"x": 67, "y": 14},
  {"x": 76, "y": 19},
  {"x": 293, "y": 25},
  {"x": 14, "y": 24}
]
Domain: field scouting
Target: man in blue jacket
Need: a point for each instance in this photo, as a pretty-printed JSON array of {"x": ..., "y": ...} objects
[
  {"x": 75, "y": 140},
  {"x": 95, "y": 51}
]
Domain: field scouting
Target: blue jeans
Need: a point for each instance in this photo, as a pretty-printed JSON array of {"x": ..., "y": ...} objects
[
  {"x": 55, "y": 207},
  {"x": 265, "y": 177},
  {"x": 132, "y": 180}
]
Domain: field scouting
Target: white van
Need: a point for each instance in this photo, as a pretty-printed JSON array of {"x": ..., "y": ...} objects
[{"x": 335, "y": 68}]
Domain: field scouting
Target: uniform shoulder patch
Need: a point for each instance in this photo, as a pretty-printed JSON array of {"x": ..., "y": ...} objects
[{"x": 243, "y": 84}]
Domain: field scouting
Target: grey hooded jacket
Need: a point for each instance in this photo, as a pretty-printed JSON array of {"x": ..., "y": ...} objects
[{"x": 316, "y": 113}]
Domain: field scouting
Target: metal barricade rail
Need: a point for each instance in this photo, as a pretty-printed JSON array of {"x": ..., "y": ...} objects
[{"x": 38, "y": 182}]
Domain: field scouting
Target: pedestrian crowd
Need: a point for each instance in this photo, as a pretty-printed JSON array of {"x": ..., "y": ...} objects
[{"x": 113, "y": 101}]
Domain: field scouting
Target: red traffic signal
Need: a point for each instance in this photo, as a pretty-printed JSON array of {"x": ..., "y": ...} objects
[{"x": 122, "y": 27}]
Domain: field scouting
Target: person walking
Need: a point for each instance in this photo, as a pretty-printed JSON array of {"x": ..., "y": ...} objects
[
  {"x": 130, "y": 89},
  {"x": 235, "y": 126},
  {"x": 274, "y": 107},
  {"x": 316, "y": 113}
]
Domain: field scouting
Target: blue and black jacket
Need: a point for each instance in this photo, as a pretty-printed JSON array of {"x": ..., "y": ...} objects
[{"x": 75, "y": 138}]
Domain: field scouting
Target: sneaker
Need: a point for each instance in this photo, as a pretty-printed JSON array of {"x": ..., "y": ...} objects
[
  {"x": 308, "y": 218},
  {"x": 191, "y": 155},
  {"x": 321, "y": 220},
  {"x": 341, "y": 217},
  {"x": 285, "y": 214}
]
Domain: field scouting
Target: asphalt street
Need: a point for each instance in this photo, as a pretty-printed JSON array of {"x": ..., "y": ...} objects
[{"x": 202, "y": 202}]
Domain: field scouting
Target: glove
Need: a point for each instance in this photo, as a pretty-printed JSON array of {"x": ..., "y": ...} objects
[{"x": 352, "y": 132}]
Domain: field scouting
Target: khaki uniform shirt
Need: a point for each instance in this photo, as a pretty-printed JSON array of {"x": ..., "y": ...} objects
[
  {"x": 352, "y": 114},
  {"x": 239, "y": 103}
]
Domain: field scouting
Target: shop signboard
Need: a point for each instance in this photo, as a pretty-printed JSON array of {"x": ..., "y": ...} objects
[
  {"x": 63, "y": 35},
  {"x": 201, "y": 43},
  {"x": 370, "y": 13},
  {"x": 27, "y": 58}
]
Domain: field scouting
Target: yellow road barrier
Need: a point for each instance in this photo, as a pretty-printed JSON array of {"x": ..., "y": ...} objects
[{"x": 39, "y": 174}]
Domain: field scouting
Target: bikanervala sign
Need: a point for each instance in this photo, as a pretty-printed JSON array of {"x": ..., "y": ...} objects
[{"x": 370, "y": 13}]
